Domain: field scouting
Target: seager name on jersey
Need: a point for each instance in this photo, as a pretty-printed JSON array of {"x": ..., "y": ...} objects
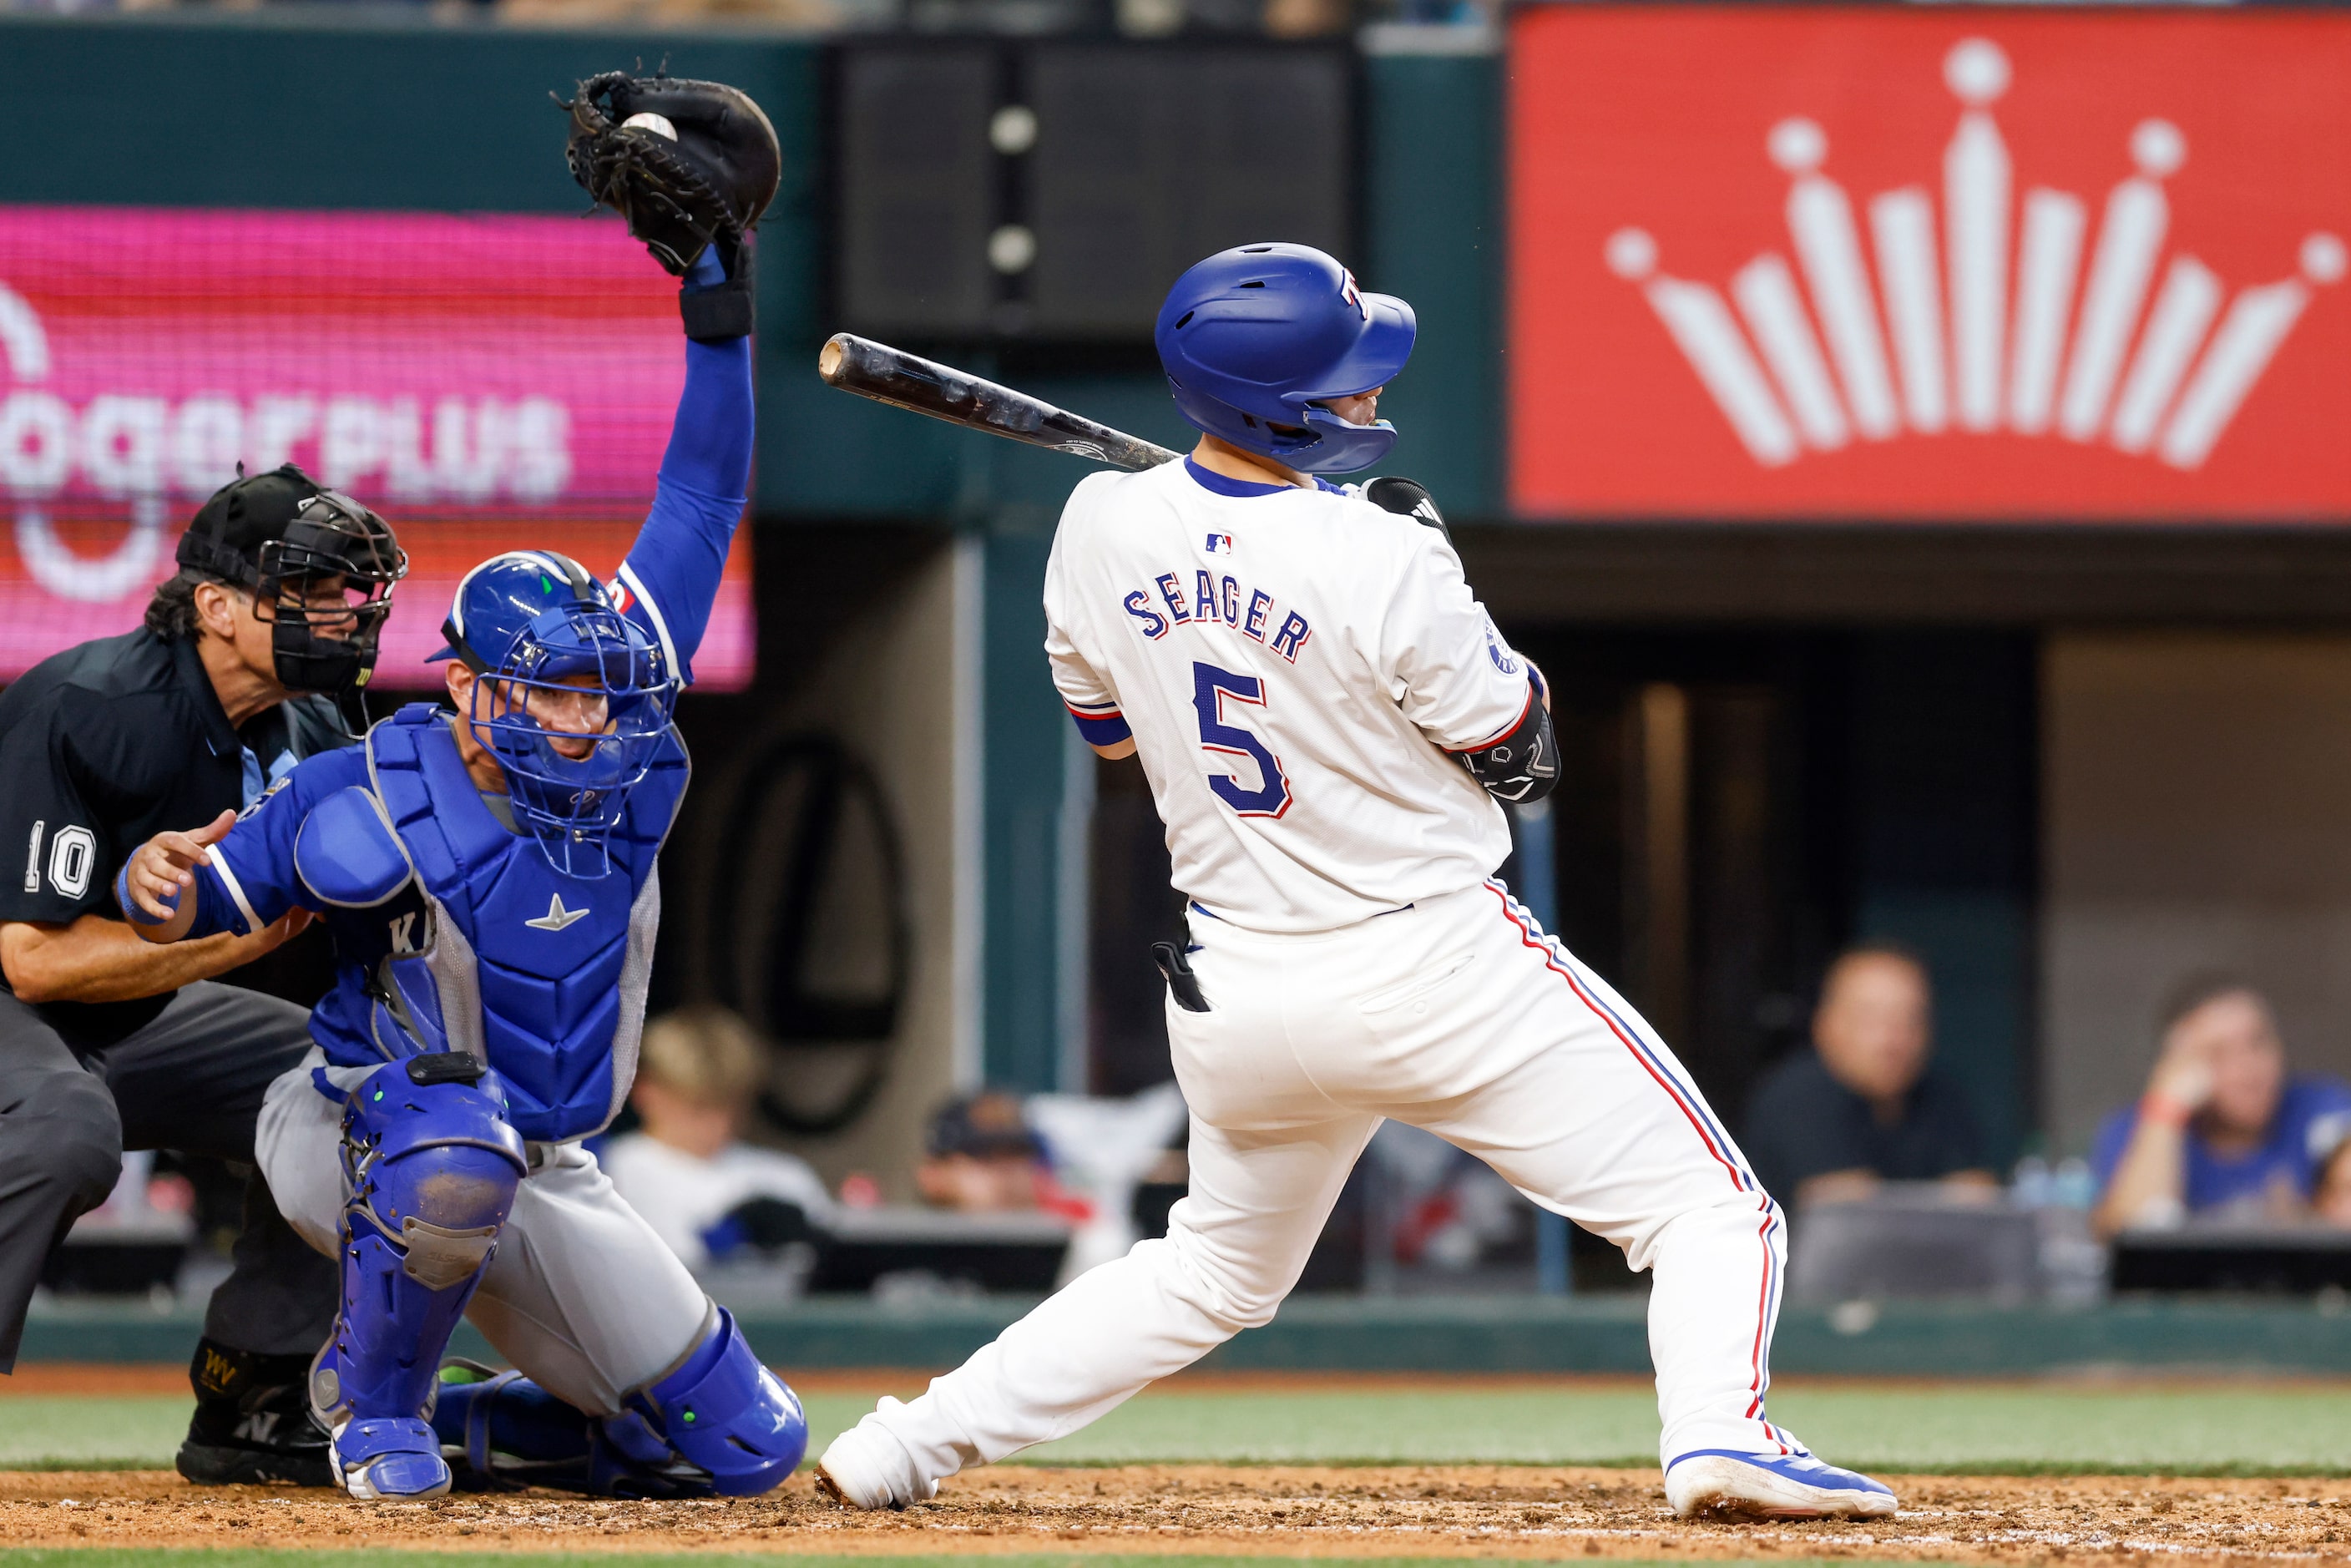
[{"x": 1217, "y": 602}]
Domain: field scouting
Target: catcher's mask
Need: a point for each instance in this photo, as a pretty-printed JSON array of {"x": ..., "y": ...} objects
[
  {"x": 571, "y": 697},
  {"x": 320, "y": 567}
]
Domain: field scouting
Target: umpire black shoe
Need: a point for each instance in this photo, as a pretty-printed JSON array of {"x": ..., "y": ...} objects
[{"x": 253, "y": 1422}]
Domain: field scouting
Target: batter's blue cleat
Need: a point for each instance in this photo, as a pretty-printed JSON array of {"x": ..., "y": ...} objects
[
  {"x": 1723, "y": 1484},
  {"x": 384, "y": 1459}
]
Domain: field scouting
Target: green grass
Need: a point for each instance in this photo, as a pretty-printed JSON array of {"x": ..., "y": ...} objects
[
  {"x": 2001, "y": 1429},
  {"x": 2250, "y": 1429},
  {"x": 98, "y": 1432}
]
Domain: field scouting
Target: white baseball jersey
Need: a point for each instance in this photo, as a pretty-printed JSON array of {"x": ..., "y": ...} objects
[{"x": 1293, "y": 665}]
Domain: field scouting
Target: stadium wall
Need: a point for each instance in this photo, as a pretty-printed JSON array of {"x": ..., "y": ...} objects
[
  {"x": 323, "y": 111},
  {"x": 261, "y": 109},
  {"x": 312, "y": 111}
]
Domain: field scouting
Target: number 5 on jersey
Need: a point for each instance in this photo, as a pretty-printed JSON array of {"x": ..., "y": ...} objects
[{"x": 1210, "y": 687}]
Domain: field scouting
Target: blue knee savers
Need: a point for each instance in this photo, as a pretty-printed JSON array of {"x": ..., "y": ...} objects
[
  {"x": 719, "y": 1423},
  {"x": 433, "y": 1166}
]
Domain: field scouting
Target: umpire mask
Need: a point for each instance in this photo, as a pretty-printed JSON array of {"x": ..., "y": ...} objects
[{"x": 322, "y": 564}]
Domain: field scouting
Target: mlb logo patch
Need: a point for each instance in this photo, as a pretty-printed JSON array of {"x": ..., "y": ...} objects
[{"x": 1220, "y": 544}]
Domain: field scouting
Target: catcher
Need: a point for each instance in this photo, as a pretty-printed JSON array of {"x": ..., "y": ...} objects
[{"x": 487, "y": 871}]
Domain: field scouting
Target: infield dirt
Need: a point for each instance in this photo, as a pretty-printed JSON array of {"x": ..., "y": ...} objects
[{"x": 1504, "y": 1511}]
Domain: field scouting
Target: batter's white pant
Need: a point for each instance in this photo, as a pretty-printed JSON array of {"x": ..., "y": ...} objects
[
  {"x": 1458, "y": 1015},
  {"x": 582, "y": 1296}
]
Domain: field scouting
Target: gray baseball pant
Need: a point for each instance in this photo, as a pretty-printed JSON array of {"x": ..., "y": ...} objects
[{"x": 192, "y": 1079}]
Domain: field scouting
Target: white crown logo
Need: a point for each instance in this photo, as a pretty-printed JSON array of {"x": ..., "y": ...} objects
[{"x": 1996, "y": 366}]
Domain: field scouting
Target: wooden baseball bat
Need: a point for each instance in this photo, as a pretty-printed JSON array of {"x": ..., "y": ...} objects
[{"x": 908, "y": 380}]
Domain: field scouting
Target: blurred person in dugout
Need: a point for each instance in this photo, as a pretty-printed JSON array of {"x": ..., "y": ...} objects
[
  {"x": 2223, "y": 1130},
  {"x": 981, "y": 1157},
  {"x": 709, "y": 1196},
  {"x": 2330, "y": 1202},
  {"x": 1866, "y": 1103}
]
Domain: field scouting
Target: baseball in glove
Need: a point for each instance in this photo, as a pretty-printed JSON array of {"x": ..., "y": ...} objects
[{"x": 689, "y": 164}]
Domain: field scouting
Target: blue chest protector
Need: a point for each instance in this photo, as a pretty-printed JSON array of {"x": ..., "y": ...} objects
[{"x": 538, "y": 975}]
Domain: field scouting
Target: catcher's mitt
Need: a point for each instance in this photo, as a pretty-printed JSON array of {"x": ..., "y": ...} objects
[{"x": 705, "y": 185}]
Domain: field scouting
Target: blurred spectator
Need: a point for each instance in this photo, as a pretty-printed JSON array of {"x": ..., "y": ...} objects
[
  {"x": 1307, "y": 19},
  {"x": 2222, "y": 1130},
  {"x": 1866, "y": 1103},
  {"x": 982, "y": 1158},
  {"x": 1104, "y": 1149},
  {"x": 704, "y": 1192},
  {"x": 2331, "y": 1203},
  {"x": 1445, "y": 1208}
]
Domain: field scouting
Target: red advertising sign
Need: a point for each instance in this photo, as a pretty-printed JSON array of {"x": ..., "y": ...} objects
[
  {"x": 488, "y": 383},
  {"x": 1930, "y": 264}
]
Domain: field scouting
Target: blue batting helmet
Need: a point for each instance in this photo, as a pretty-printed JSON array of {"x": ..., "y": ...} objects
[
  {"x": 546, "y": 640},
  {"x": 1253, "y": 338}
]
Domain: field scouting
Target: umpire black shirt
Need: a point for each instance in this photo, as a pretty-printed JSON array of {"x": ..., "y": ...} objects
[
  {"x": 101, "y": 748},
  {"x": 1801, "y": 1124}
]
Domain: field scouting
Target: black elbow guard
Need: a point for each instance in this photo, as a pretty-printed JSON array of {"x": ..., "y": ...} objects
[
  {"x": 1408, "y": 498},
  {"x": 1523, "y": 766}
]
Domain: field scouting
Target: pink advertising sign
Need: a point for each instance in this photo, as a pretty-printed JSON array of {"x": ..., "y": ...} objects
[{"x": 486, "y": 383}]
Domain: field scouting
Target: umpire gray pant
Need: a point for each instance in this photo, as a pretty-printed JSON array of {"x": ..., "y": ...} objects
[{"x": 192, "y": 1079}]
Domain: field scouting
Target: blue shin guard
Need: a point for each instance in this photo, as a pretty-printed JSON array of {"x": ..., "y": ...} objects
[
  {"x": 725, "y": 1414},
  {"x": 432, "y": 1166},
  {"x": 717, "y": 1424},
  {"x": 513, "y": 1433}
]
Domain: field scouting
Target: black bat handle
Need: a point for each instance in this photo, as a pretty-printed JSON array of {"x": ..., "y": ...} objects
[{"x": 924, "y": 386}]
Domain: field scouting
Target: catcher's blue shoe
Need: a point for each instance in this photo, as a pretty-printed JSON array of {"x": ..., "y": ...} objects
[
  {"x": 502, "y": 1430},
  {"x": 388, "y": 1457},
  {"x": 1725, "y": 1484}
]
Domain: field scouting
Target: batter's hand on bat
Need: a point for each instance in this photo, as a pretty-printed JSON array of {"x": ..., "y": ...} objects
[{"x": 161, "y": 870}]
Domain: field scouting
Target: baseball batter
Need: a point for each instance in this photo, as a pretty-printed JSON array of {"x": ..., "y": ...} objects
[{"x": 1327, "y": 715}]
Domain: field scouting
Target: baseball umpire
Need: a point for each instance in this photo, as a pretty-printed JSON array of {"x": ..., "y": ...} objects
[{"x": 251, "y": 658}]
